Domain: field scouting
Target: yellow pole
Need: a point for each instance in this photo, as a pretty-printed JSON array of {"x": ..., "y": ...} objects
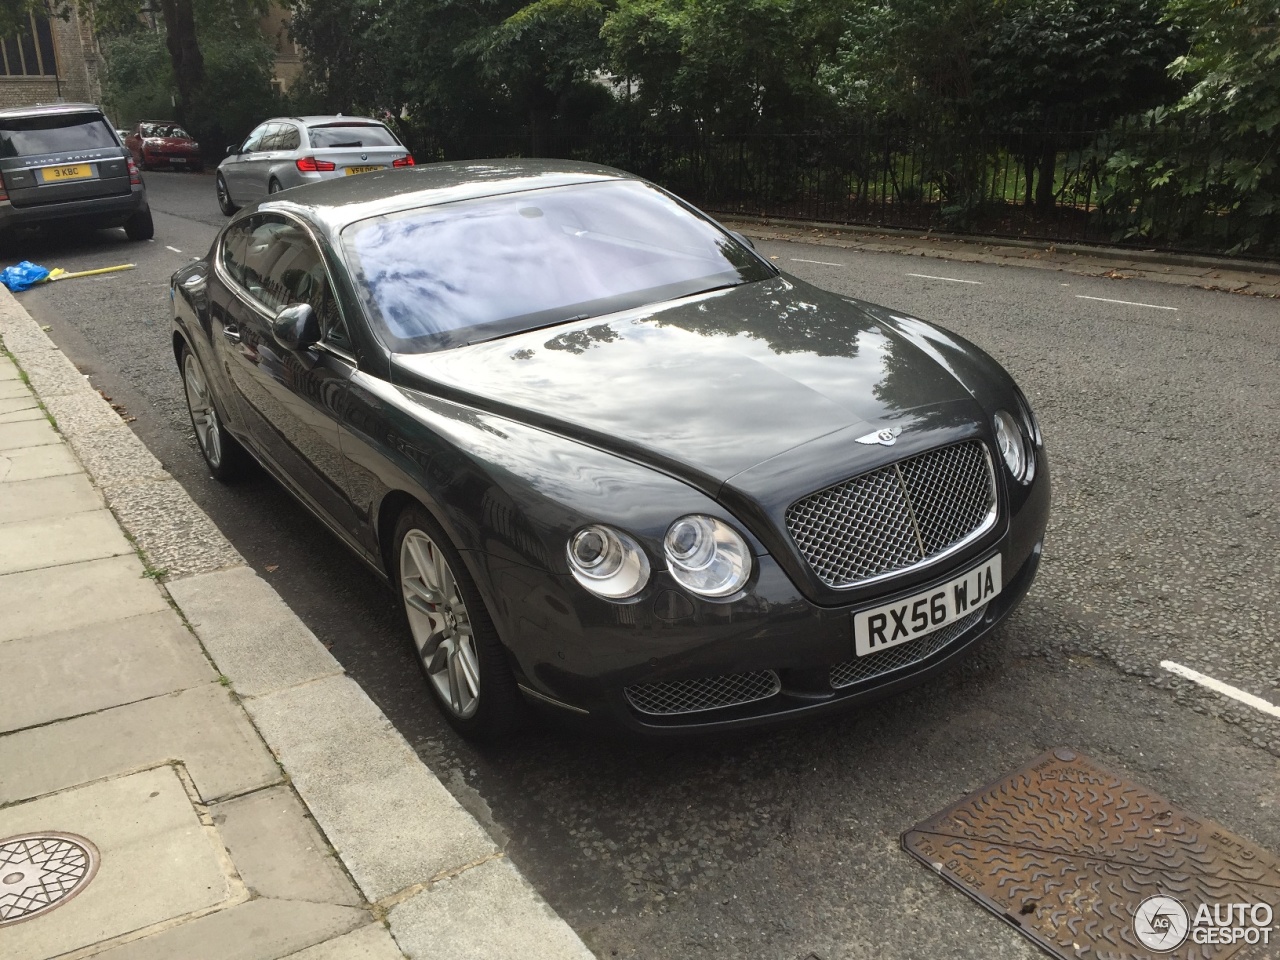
[{"x": 92, "y": 273}]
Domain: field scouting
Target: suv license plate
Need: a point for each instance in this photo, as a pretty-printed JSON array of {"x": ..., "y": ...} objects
[
  {"x": 882, "y": 627},
  {"x": 351, "y": 170},
  {"x": 78, "y": 171}
]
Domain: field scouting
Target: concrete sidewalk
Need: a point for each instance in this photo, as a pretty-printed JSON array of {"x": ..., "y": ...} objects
[{"x": 185, "y": 771}]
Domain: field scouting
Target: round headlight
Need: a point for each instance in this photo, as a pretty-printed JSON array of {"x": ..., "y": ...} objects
[
  {"x": 1012, "y": 447},
  {"x": 607, "y": 562},
  {"x": 707, "y": 556}
]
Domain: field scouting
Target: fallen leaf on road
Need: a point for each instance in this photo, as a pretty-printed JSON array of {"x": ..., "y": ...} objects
[{"x": 272, "y": 567}]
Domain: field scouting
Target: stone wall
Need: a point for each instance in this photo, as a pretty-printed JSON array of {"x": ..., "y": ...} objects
[{"x": 79, "y": 69}]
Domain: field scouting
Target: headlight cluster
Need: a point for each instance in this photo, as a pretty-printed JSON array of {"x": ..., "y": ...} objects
[
  {"x": 703, "y": 554},
  {"x": 1015, "y": 447}
]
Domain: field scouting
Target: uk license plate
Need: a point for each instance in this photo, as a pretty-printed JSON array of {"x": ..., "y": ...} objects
[
  {"x": 369, "y": 169},
  {"x": 920, "y": 615},
  {"x": 75, "y": 171}
]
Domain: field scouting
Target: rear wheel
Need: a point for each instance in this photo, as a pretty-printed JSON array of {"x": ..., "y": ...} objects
[
  {"x": 140, "y": 225},
  {"x": 274, "y": 186},
  {"x": 221, "y": 451},
  {"x": 458, "y": 648},
  {"x": 224, "y": 196}
]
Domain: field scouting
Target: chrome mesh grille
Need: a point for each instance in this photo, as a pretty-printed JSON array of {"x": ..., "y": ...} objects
[
  {"x": 903, "y": 655},
  {"x": 704, "y": 693},
  {"x": 894, "y": 517}
]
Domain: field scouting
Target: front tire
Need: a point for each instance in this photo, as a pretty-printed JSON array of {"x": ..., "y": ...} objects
[
  {"x": 140, "y": 226},
  {"x": 224, "y": 196},
  {"x": 458, "y": 649},
  {"x": 221, "y": 451}
]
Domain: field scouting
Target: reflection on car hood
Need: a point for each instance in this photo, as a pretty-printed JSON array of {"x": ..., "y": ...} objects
[{"x": 708, "y": 385}]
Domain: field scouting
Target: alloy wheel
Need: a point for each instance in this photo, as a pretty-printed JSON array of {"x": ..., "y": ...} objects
[
  {"x": 203, "y": 415},
  {"x": 440, "y": 624}
]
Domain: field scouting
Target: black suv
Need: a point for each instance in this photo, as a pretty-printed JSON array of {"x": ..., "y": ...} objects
[{"x": 62, "y": 164}]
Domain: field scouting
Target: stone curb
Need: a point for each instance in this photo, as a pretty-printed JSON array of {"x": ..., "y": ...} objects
[
  {"x": 974, "y": 240},
  {"x": 396, "y": 829}
]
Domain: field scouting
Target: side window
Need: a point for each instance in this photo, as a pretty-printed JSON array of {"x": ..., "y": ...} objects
[
  {"x": 298, "y": 276},
  {"x": 254, "y": 140},
  {"x": 234, "y": 246},
  {"x": 271, "y": 138},
  {"x": 289, "y": 138}
]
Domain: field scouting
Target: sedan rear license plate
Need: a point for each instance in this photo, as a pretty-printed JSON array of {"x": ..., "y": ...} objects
[
  {"x": 177, "y": 159},
  {"x": 370, "y": 169},
  {"x": 882, "y": 627},
  {"x": 77, "y": 171}
]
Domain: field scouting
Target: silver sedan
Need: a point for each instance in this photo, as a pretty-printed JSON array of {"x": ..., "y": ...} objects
[{"x": 290, "y": 151}]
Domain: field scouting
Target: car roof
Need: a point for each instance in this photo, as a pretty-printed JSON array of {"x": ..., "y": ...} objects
[
  {"x": 49, "y": 109},
  {"x": 335, "y": 203}
]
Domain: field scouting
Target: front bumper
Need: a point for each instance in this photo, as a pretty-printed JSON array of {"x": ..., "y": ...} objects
[{"x": 586, "y": 659}]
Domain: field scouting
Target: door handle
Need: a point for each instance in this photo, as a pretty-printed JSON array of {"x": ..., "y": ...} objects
[{"x": 231, "y": 333}]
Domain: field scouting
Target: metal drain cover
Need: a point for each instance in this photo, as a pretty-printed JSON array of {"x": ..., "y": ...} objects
[
  {"x": 41, "y": 871},
  {"x": 1090, "y": 864}
]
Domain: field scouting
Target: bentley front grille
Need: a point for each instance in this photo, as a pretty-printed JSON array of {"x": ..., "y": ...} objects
[
  {"x": 672, "y": 697},
  {"x": 896, "y": 517},
  {"x": 903, "y": 655}
]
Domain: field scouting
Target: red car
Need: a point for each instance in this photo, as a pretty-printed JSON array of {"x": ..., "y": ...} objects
[{"x": 161, "y": 143}]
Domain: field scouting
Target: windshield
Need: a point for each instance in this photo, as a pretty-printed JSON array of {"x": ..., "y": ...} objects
[
  {"x": 29, "y": 136},
  {"x": 456, "y": 273},
  {"x": 352, "y": 135},
  {"x": 164, "y": 130}
]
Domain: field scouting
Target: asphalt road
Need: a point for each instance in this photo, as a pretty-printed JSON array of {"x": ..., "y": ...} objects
[{"x": 1162, "y": 416}]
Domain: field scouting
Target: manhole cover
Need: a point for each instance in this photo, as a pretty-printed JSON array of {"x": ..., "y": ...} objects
[
  {"x": 40, "y": 871},
  {"x": 1089, "y": 864}
]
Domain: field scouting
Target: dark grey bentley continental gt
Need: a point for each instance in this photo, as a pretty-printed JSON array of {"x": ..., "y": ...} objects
[{"x": 610, "y": 459}]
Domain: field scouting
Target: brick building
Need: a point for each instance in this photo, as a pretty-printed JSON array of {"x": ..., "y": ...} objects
[{"x": 53, "y": 59}]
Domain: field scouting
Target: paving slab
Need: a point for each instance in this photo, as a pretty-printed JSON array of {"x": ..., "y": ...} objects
[
  {"x": 201, "y": 727},
  {"x": 7, "y": 369},
  {"x": 157, "y": 862},
  {"x": 278, "y": 851},
  {"x": 458, "y": 918},
  {"x": 368, "y": 943},
  {"x": 82, "y": 594},
  {"x": 48, "y": 497},
  {"x": 391, "y": 821},
  {"x": 23, "y": 401},
  {"x": 55, "y": 541},
  {"x": 29, "y": 433},
  {"x": 253, "y": 636},
  {"x": 13, "y": 388},
  {"x": 72, "y": 672},
  {"x": 257, "y": 930},
  {"x": 32, "y": 463},
  {"x": 21, "y": 415}
]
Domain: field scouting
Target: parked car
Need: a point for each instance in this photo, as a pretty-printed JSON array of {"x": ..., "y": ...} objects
[
  {"x": 610, "y": 459},
  {"x": 290, "y": 151},
  {"x": 61, "y": 164},
  {"x": 162, "y": 143}
]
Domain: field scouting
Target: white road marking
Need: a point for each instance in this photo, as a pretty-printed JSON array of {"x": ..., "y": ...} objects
[
  {"x": 1235, "y": 693},
  {"x": 925, "y": 276},
  {"x": 1129, "y": 303},
  {"x": 825, "y": 263},
  {"x": 174, "y": 249}
]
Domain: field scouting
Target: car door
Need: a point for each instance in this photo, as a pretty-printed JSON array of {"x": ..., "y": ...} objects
[
  {"x": 291, "y": 400},
  {"x": 237, "y": 169}
]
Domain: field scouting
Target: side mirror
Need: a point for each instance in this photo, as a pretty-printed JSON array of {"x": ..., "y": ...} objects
[
  {"x": 745, "y": 241},
  {"x": 296, "y": 326},
  {"x": 233, "y": 149}
]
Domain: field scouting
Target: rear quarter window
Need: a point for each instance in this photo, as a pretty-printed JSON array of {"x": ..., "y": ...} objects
[
  {"x": 31, "y": 136},
  {"x": 352, "y": 135}
]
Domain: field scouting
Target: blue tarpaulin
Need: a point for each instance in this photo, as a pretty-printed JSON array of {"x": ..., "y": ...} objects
[{"x": 22, "y": 275}]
